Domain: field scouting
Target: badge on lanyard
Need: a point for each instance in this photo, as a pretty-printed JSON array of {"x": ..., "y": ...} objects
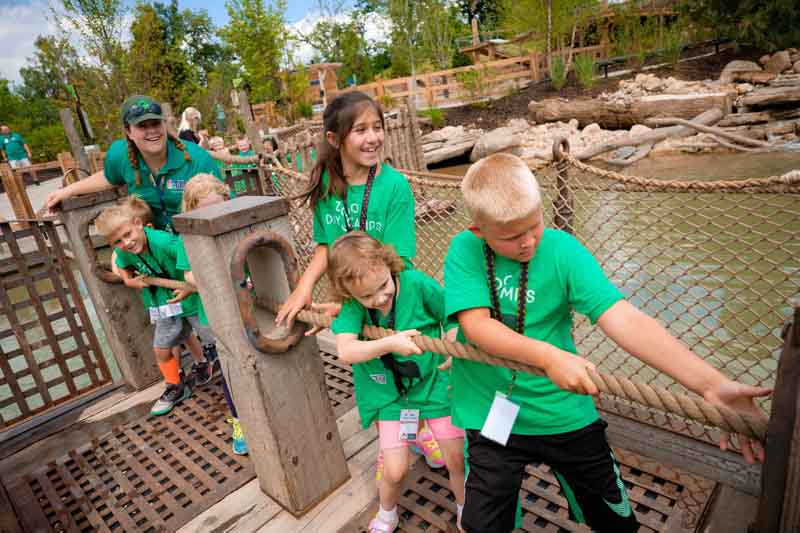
[
  {"x": 409, "y": 424},
  {"x": 500, "y": 420}
]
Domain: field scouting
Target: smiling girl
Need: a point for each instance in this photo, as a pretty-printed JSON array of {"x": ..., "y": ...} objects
[{"x": 153, "y": 163}]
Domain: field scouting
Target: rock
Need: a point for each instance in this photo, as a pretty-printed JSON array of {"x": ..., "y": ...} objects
[
  {"x": 636, "y": 129},
  {"x": 653, "y": 84},
  {"x": 743, "y": 88},
  {"x": 737, "y": 65},
  {"x": 499, "y": 140},
  {"x": 623, "y": 153},
  {"x": 796, "y": 67},
  {"x": 443, "y": 134},
  {"x": 641, "y": 78},
  {"x": 573, "y": 124},
  {"x": 518, "y": 124},
  {"x": 792, "y": 50},
  {"x": 778, "y": 62},
  {"x": 592, "y": 130},
  {"x": 764, "y": 59}
]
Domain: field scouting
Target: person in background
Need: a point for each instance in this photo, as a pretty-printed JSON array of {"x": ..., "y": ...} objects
[
  {"x": 189, "y": 128},
  {"x": 15, "y": 148}
]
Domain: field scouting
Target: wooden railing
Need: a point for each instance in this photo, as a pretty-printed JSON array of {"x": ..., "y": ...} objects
[{"x": 467, "y": 84}]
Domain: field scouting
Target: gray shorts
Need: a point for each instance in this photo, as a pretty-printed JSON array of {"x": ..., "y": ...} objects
[
  {"x": 19, "y": 163},
  {"x": 177, "y": 329}
]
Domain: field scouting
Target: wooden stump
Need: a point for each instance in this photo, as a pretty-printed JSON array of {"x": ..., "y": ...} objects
[
  {"x": 281, "y": 398},
  {"x": 120, "y": 310}
]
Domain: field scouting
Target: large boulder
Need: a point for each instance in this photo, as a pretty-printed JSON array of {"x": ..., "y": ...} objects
[
  {"x": 737, "y": 65},
  {"x": 796, "y": 67},
  {"x": 503, "y": 139},
  {"x": 779, "y": 62}
]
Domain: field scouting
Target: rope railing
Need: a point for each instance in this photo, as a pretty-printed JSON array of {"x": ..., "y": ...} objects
[{"x": 651, "y": 396}]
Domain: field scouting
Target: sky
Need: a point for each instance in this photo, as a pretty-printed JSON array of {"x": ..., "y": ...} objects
[{"x": 21, "y": 21}]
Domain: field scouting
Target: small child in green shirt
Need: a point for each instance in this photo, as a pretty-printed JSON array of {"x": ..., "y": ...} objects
[
  {"x": 513, "y": 286},
  {"x": 396, "y": 384},
  {"x": 152, "y": 253}
]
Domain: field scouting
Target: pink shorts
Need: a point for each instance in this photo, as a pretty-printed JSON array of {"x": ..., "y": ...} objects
[{"x": 442, "y": 429}]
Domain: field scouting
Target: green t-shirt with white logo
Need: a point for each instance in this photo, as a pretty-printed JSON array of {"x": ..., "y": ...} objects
[
  {"x": 163, "y": 191},
  {"x": 420, "y": 306},
  {"x": 14, "y": 147},
  {"x": 159, "y": 260},
  {"x": 390, "y": 214},
  {"x": 563, "y": 276}
]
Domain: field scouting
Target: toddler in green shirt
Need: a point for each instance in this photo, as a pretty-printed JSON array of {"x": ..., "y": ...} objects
[
  {"x": 152, "y": 253},
  {"x": 513, "y": 285},
  {"x": 396, "y": 384}
]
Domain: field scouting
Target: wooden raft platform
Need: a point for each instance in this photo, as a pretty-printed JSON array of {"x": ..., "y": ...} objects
[{"x": 120, "y": 469}]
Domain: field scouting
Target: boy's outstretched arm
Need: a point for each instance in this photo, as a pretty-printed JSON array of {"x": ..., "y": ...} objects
[
  {"x": 566, "y": 370},
  {"x": 647, "y": 340}
]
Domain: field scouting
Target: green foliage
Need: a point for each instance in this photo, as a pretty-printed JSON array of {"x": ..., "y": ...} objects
[
  {"x": 524, "y": 16},
  {"x": 771, "y": 25},
  {"x": 558, "y": 73},
  {"x": 305, "y": 110},
  {"x": 342, "y": 42},
  {"x": 633, "y": 36},
  {"x": 474, "y": 81},
  {"x": 672, "y": 43},
  {"x": 386, "y": 101},
  {"x": 436, "y": 115},
  {"x": 584, "y": 65},
  {"x": 46, "y": 142},
  {"x": 258, "y": 37}
]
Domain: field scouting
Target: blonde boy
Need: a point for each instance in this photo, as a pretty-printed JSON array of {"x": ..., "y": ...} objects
[
  {"x": 151, "y": 253},
  {"x": 513, "y": 286}
]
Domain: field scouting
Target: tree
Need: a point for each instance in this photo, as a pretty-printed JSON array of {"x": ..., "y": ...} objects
[
  {"x": 341, "y": 41},
  {"x": 550, "y": 21},
  {"x": 257, "y": 36},
  {"x": 438, "y": 31}
]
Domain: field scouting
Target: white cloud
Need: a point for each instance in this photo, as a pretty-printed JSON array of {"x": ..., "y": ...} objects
[{"x": 19, "y": 26}]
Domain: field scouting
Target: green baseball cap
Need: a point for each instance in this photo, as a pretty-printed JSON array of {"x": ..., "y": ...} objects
[{"x": 138, "y": 108}]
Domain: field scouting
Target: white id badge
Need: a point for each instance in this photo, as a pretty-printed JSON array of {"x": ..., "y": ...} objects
[
  {"x": 500, "y": 421},
  {"x": 155, "y": 314},
  {"x": 409, "y": 424},
  {"x": 175, "y": 309}
]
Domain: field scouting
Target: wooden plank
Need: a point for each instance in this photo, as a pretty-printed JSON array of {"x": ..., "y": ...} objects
[
  {"x": 8, "y": 518},
  {"x": 683, "y": 452},
  {"x": 95, "y": 198},
  {"x": 229, "y": 216},
  {"x": 75, "y": 142}
]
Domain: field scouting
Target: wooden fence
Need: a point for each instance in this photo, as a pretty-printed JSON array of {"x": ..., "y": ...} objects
[{"x": 467, "y": 84}]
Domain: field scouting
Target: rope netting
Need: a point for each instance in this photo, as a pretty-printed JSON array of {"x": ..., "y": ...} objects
[{"x": 715, "y": 262}]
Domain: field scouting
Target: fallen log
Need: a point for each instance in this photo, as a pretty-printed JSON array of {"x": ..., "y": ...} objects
[
  {"x": 622, "y": 115},
  {"x": 771, "y": 95},
  {"x": 758, "y": 117},
  {"x": 753, "y": 76},
  {"x": 709, "y": 117},
  {"x": 707, "y": 129}
]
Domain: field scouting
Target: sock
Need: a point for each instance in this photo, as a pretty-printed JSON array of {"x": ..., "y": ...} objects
[
  {"x": 459, "y": 511},
  {"x": 171, "y": 371},
  {"x": 387, "y": 516}
]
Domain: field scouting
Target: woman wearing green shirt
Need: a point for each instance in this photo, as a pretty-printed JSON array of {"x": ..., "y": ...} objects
[{"x": 153, "y": 163}]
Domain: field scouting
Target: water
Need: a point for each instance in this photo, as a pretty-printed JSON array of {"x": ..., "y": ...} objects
[{"x": 718, "y": 269}]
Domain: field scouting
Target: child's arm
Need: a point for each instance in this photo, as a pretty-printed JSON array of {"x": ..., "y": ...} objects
[
  {"x": 647, "y": 340},
  {"x": 566, "y": 370},
  {"x": 301, "y": 295},
  {"x": 351, "y": 350},
  {"x": 134, "y": 282}
]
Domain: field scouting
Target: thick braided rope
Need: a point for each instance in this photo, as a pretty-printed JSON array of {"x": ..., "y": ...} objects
[
  {"x": 659, "y": 398},
  {"x": 696, "y": 409},
  {"x": 792, "y": 179},
  {"x": 229, "y": 159}
]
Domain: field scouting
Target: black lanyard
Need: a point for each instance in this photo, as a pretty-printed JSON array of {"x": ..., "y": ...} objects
[
  {"x": 399, "y": 369},
  {"x": 157, "y": 272},
  {"x": 522, "y": 297},
  {"x": 362, "y": 223}
]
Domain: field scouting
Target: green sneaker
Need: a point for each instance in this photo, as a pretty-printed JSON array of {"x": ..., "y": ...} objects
[
  {"x": 174, "y": 395},
  {"x": 239, "y": 443}
]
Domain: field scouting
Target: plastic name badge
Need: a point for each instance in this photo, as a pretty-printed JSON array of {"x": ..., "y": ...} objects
[{"x": 500, "y": 420}]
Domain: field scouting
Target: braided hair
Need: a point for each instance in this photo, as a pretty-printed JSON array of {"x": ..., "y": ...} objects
[{"x": 133, "y": 154}]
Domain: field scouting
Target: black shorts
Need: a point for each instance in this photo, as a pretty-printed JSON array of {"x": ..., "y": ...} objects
[{"x": 581, "y": 460}]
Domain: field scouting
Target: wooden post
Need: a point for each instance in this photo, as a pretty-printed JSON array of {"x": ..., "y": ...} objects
[
  {"x": 75, "y": 142},
  {"x": 124, "y": 319},
  {"x": 172, "y": 127},
  {"x": 9, "y": 523},
  {"x": 281, "y": 397},
  {"x": 414, "y": 137},
  {"x": 535, "y": 66},
  {"x": 249, "y": 126},
  {"x": 14, "y": 184},
  {"x": 779, "y": 504}
]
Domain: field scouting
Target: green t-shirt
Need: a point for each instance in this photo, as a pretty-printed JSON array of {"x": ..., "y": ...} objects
[
  {"x": 163, "y": 191},
  {"x": 182, "y": 264},
  {"x": 14, "y": 147},
  {"x": 159, "y": 261},
  {"x": 563, "y": 276},
  {"x": 420, "y": 306},
  {"x": 390, "y": 216}
]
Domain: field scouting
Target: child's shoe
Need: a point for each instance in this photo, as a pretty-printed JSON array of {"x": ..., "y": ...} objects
[
  {"x": 202, "y": 372},
  {"x": 377, "y": 525},
  {"x": 239, "y": 443},
  {"x": 426, "y": 445},
  {"x": 173, "y": 395},
  {"x": 210, "y": 353},
  {"x": 379, "y": 470}
]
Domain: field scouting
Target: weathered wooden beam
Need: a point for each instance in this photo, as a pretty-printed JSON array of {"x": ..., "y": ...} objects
[
  {"x": 779, "y": 504},
  {"x": 122, "y": 316},
  {"x": 281, "y": 398},
  {"x": 771, "y": 95},
  {"x": 8, "y": 517},
  {"x": 14, "y": 186},
  {"x": 75, "y": 142}
]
